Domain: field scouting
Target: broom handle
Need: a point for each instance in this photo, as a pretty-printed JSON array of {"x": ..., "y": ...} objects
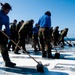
[{"x": 18, "y": 46}]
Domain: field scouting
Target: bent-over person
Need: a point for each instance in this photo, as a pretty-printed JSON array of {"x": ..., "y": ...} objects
[{"x": 22, "y": 34}]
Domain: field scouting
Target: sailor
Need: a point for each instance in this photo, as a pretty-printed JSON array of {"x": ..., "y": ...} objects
[
  {"x": 55, "y": 35},
  {"x": 13, "y": 34},
  {"x": 4, "y": 20},
  {"x": 22, "y": 33},
  {"x": 44, "y": 34},
  {"x": 51, "y": 31},
  {"x": 63, "y": 34},
  {"x": 35, "y": 37},
  {"x": 18, "y": 27}
]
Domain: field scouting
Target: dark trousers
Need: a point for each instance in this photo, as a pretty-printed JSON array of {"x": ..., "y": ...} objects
[
  {"x": 11, "y": 44},
  {"x": 21, "y": 43},
  {"x": 44, "y": 36},
  {"x": 3, "y": 48},
  {"x": 36, "y": 41}
]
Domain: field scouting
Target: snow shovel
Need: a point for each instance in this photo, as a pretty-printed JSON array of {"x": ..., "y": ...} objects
[
  {"x": 57, "y": 54},
  {"x": 69, "y": 44},
  {"x": 70, "y": 41},
  {"x": 40, "y": 67}
]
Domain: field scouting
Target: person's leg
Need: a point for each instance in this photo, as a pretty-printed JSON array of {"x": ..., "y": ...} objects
[
  {"x": 16, "y": 50},
  {"x": 37, "y": 42},
  {"x": 13, "y": 45},
  {"x": 4, "y": 51},
  {"x": 48, "y": 43},
  {"x": 5, "y": 55},
  {"x": 42, "y": 47},
  {"x": 42, "y": 41},
  {"x": 23, "y": 46},
  {"x": 49, "y": 52},
  {"x": 9, "y": 46}
]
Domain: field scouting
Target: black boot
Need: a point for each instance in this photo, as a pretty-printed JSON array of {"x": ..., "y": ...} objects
[
  {"x": 49, "y": 54},
  {"x": 44, "y": 54},
  {"x": 10, "y": 64},
  {"x": 35, "y": 50},
  {"x": 16, "y": 52},
  {"x": 57, "y": 55}
]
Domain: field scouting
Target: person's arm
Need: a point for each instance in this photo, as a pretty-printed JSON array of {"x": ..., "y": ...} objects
[
  {"x": 49, "y": 22},
  {"x": 7, "y": 28}
]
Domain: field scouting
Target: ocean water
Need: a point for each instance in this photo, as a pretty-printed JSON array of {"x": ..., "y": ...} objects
[{"x": 69, "y": 39}]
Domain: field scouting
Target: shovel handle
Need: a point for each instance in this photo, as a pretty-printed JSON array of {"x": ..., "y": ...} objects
[{"x": 18, "y": 46}]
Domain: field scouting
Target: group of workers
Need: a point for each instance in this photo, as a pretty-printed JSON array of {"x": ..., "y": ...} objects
[{"x": 42, "y": 34}]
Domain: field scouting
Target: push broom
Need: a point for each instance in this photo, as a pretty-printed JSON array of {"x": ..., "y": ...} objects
[
  {"x": 40, "y": 67},
  {"x": 70, "y": 41}
]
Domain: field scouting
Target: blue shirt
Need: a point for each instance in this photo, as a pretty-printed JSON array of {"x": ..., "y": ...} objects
[
  {"x": 45, "y": 21},
  {"x": 35, "y": 30},
  {"x": 4, "y": 20}
]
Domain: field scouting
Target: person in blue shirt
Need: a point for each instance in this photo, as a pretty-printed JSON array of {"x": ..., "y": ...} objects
[
  {"x": 4, "y": 20},
  {"x": 45, "y": 20},
  {"x": 35, "y": 37},
  {"x": 44, "y": 34}
]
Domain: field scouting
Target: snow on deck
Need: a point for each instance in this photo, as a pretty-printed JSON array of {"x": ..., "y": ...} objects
[{"x": 27, "y": 66}]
